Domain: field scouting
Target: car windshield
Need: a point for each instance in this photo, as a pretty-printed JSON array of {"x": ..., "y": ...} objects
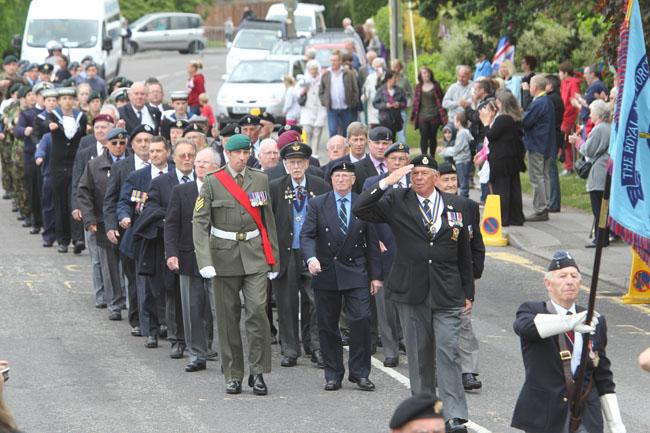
[
  {"x": 288, "y": 47},
  {"x": 304, "y": 23},
  {"x": 258, "y": 72},
  {"x": 252, "y": 39},
  {"x": 71, "y": 33}
]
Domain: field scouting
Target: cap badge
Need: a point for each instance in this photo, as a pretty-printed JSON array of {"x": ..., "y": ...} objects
[
  {"x": 425, "y": 160},
  {"x": 296, "y": 147}
]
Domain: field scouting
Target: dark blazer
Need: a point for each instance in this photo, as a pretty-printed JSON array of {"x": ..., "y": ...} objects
[
  {"x": 178, "y": 228},
  {"x": 87, "y": 141},
  {"x": 346, "y": 260},
  {"x": 131, "y": 118},
  {"x": 64, "y": 149},
  {"x": 160, "y": 189},
  {"x": 363, "y": 170},
  {"x": 279, "y": 171},
  {"x": 81, "y": 159},
  {"x": 541, "y": 406},
  {"x": 472, "y": 218},
  {"x": 440, "y": 268},
  {"x": 507, "y": 149},
  {"x": 327, "y": 168},
  {"x": 138, "y": 180},
  {"x": 119, "y": 173},
  {"x": 283, "y": 211}
]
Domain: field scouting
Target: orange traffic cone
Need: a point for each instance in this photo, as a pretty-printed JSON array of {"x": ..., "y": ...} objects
[
  {"x": 638, "y": 291},
  {"x": 491, "y": 222}
]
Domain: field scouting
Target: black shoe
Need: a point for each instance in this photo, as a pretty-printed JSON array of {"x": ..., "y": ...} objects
[
  {"x": 307, "y": 351},
  {"x": 288, "y": 361},
  {"x": 163, "y": 331},
  {"x": 233, "y": 387},
  {"x": 35, "y": 231},
  {"x": 195, "y": 366},
  {"x": 116, "y": 315},
  {"x": 391, "y": 362},
  {"x": 332, "y": 385},
  {"x": 256, "y": 381},
  {"x": 541, "y": 216},
  {"x": 6, "y": 196},
  {"x": 373, "y": 349},
  {"x": 152, "y": 342},
  {"x": 100, "y": 306},
  {"x": 135, "y": 331},
  {"x": 363, "y": 383},
  {"x": 63, "y": 249},
  {"x": 14, "y": 208},
  {"x": 47, "y": 244},
  {"x": 27, "y": 222},
  {"x": 177, "y": 351},
  {"x": 590, "y": 244},
  {"x": 455, "y": 425},
  {"x": 317, "y": 358},
  {"x": 212, "y": 355},
  {"x": 78, "y": 247},
  {"x": 471, "y": 382},
  {"x": 554, "y": 210},
  {"x": 402, "y": 348},
  {"x": 20, "y": 217}
]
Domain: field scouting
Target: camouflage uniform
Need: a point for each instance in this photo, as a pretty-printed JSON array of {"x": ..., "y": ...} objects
[{"x": 17, "y": 167}]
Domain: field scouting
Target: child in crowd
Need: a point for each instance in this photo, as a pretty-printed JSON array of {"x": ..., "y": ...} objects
[
  {"x": 461, "y": 153},
  {"x": 291, "y": 108},
  {"x": 206, "y": 109},
  {"x": 449, "y": 138}
]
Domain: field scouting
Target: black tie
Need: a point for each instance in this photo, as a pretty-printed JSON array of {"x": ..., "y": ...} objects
[
  {"x": 139, "y": 114},
  {"x": 343, "y": 215},
  {"x": 160, "y": 173},
  {"x": 381, "y": 168},
  {"x": 185, "y": 179}
]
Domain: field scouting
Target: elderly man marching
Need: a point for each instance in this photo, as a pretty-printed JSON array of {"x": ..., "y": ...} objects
[{"x": 236, "y": 245}]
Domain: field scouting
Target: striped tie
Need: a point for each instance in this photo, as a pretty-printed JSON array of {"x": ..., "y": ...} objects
[{"x": 343, "y": 215}]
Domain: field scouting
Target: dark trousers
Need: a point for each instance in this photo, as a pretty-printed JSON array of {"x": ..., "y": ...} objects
[
  {"x": 509, "y": 190},
  {"x": 151, "y": 302},
  {"x": 555, "y": 198},
  {"x": 197, "y": 315},
  {"x": 49, "y": 214},
  {"x": 428, "y": 132},
  {"x": 128, "y": 267},
  {"x": 357, "y": 311},
  {"x": 33, "y": 185},
  {"x": 174, "y": 313},
  {"x": 596, "y": 198},
  {"x": 61, "y": 184}
]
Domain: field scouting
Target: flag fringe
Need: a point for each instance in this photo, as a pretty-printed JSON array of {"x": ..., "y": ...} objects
[{"x": 641, "y": 244}]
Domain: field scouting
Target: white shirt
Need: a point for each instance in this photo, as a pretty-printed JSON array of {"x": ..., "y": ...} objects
[
  {"x": 70, "y": 126},
  {"x": 139, "y": 163},
  {"x": 100, "y": 148},
  {"x": 353, "y": 159},
  {"x": 199, "y": 184},
  {"x": 337, "y": 90},
  {"x": 577, "y": 337},
  {"x": 436, "y": 212},
  {"x": 146, "y": 117},
  {"x": 179, "y": 175},
  {"x": 155, "y": 171}
]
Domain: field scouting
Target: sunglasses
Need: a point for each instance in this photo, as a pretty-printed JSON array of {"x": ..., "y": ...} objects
[{"x": 118, "y": 143}]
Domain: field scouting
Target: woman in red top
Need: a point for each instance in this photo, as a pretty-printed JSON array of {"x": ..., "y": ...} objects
[
  {"x": 569, "y": 86},
  {"x": 195, "y": 86}
]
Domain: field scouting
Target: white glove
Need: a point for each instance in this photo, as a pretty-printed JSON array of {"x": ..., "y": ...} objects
[
  {"x": 208, "y": 272},
  {"x": 612, "y": 414},
  {"x": 272, "y": 275},
  {"x": 554, "y": 324}
]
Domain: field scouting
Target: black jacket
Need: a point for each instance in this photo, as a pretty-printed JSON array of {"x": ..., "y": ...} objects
[
  {"x": 472, "y": 218},
  {"x": 84, "y": 154},
  {"x": 119, "y": 174},
  {"x": 363, "y": 170},
  {"x": 283, "y": 211},
  {"x": 441, "y": 268},
  {"x": 541, "y": 406},
  {"x": 178, "y": 228},
  {"x": 506, "y": 146},
  {"x": 279, "y": 171},
  {"x": 64, "y": 149},
  {"x": 131, "y": 118}
]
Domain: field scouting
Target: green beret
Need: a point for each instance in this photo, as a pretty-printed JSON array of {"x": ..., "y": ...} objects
[
  {"x": 238, "y": 142},
  {"x": 10, "y": 59},
  {"x": 23, "y": 91},
  {"x": 397, "y": 147}
]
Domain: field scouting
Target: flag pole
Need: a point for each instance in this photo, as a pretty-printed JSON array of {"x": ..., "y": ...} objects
[{"x": 577, "y": 399}]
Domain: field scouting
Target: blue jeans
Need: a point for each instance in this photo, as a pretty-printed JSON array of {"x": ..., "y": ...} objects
[
  {"x": 338, "y": 121},
  {"x": 464, "y": 170},
  {"x": 485, "y": 190}
]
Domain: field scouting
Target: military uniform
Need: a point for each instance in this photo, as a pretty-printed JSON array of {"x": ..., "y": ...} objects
[
  {"x": 16, "y": 163},
  {"x": 227, "y": 240}
]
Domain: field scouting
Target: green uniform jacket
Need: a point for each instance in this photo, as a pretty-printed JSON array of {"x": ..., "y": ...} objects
[{"x": 216, "y": 207}]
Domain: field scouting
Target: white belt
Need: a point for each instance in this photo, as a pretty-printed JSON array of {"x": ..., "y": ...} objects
[{"x": 234, "y": 236}]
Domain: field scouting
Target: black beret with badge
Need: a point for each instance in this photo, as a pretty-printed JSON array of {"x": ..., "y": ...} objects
[
  {"x": 420, "y": 406},
  {"x": 343, "y": 166},
  {"x": 249, "y": 119},
  {"x": 447, "y": 168},
  {"x": 425, "y": 161},
  {"x": 561, "y": 260},
  {"x": 287, "y": 128},
  {"x": 45, "y": 68},
  {"x": 268, "y": 117},
  {"x": 397, "y": 147},
  {"x": 230, "y": 129},
  {"x": 380, "y": 133},
  {"x": 140, "y": 129},
  {"x": 193, "y": 127},
  {"x": 296, "y": 150},
  {"x": 179, "y": 124}
]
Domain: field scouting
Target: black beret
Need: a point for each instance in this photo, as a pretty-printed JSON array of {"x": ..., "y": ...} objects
[
  {"x": 15, "y": 87},
  {"x": 447, "y": 168},
  {"x": 141, "y": 128},
  {"x": 249, "y": 119},
  {"x": 193, "y": 127},
  {"x": 420, "y": 406},
  {"x": 10, "y": 59},
  {"x": 179, "y": 124},
  {"x": 397, "y": 147},
  {"x": 297, "y": 149},
  {"x": 95, "y": 95},
  {"x": 343, "y": 166},
  {"x": 424, "y": 161},
  {"x": 267, "y": 117},
  {"x": 286, "y": 128},
  {"x": 23, "y": 91},
  {"x": 380, "y": 133},
  {"x": 562, "y": 259},
  {"x": 45, "y": 68},
  {"x": 229, "y": 130}
]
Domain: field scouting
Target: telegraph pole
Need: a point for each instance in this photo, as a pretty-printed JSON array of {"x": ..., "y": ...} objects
[
  {"x": 396, "y": 30},
  {"x": 290, "y": 5}
]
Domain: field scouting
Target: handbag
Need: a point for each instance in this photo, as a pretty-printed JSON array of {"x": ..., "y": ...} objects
[
  {"x": 582, "y": 167},
  {"x": 302, "y": 99}
]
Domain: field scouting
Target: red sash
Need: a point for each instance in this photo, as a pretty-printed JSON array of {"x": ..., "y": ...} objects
[{"x": 240, "y": 195}]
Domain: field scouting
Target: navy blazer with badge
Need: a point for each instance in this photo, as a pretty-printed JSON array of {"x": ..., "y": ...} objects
[
  {"x": 442, "y": 266},
  {"x": 178, "y": 228},
  {"x": 472, "y": 217},
  {"x": 363, "y": 169},
  {"x": 541, "y": 406},
  {"x": 131, "y": 118},
  {"x": 283, "y": 211},
  {"x": 345, "y": 259}
]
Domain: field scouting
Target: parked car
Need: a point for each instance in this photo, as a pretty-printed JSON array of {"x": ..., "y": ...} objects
[
  {"x": 291, "y": 47},
  {"x": 253, "y": 43},
  {"x": 325, "y": 43},
  {"x": 256, "y": 84},
  {"x": 168, "y": 31},
  {"x": 308, "y": 17}
]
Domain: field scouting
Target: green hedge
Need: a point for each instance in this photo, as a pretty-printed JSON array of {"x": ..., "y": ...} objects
[
  {"x": 14, "y": 14},
  {"x": 134, "y": 9}
]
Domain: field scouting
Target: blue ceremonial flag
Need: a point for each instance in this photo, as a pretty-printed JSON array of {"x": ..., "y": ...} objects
[
  {"x": 505, "y": 51},
  {"x": 629, "y": 206}
]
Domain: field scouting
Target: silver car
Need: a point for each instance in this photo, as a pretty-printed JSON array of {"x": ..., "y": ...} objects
[
  {"x": 256, "y": 84},
  {"x": 168, "y": 31}
]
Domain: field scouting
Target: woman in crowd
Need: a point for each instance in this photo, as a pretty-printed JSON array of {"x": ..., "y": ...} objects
[
  {"x": 370, "y": 90},
  {"x": 397, "y": 66},
  {"x": 195, "y": 86},
  {"x": 427, "y": 114},
  {"x": 313, "y": 115},
  {"x": 507, "y": 71},
  {"x": 390, "y": 100},
  {"x": 569, "y": 87},
  {"x": 506, "y": 154},
  {"x": 595, "y": 151},
  {"x": 291, "y": 108}
]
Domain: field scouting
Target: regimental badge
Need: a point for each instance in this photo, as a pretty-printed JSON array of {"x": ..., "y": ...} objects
[
  {"x": 455, "y": 219},
  {"x": 200, "y": 202},
  {"x": 454, "y": 233},
  {"x": 179, "y": 123},
  {"x": 425, "y": 160},
  {"x": 288, "y": 194},
  {"x": 470, "y": 229},
  {"x": 258, "y": 198},
  {"x": 295, "y": 147},
  {"x": 237, "y": 129},
  {"x": 400, "y": 146}
]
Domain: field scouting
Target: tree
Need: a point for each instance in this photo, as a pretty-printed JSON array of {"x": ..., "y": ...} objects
[
  {"x": 13, "y": 23},
  {"x": 134, "y": 9}
]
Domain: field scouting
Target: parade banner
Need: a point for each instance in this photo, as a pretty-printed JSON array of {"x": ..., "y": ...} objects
[{"x": 629, "y": 205}]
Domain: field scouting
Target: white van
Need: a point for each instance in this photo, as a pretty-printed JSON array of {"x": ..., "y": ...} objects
[
  {"x": 309, "y": 17},
  {"x": 83, "y": 27}
]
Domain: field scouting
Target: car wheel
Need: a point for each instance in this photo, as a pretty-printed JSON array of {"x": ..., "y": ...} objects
[
  {"x": 133, "y": 48},
  {"x": 195, "y": 46}
]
